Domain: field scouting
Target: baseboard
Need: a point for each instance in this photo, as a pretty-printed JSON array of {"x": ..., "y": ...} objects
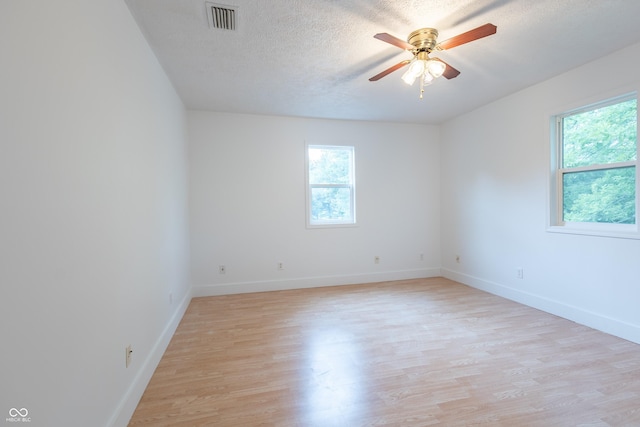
[
  {"x": 588, "y": 318},
  {"x": 129, "y": 401},
  {"x": 311, "y": 282}
]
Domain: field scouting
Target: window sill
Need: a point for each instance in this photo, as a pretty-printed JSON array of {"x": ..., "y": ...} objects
[
  {"x": 332, "y": 225},
  {"x": 598, "y": 230}
]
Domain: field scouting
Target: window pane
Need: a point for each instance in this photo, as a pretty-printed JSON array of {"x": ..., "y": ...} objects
[
  {"x": 601, "y": 136},
  {"x": 606, "y": 196},
  {"x": 330, "y": 165},
  {"x": 331, "y": 204}
]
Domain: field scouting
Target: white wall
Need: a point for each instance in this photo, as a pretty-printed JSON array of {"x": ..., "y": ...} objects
[
  {"x": 93, "y": 211},
  {"x": 495, "y": 164},
  {"x": 247, "y": 203}
]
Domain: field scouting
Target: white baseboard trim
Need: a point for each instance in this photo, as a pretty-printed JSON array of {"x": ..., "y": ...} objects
[
  {"x": 588, "y": 318},
  {"x": 311, "y": 282},
  {"x": 131, "y": 398}
]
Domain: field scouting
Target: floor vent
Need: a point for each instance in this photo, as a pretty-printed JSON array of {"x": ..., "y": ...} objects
[{"x": 222, "y": 17}]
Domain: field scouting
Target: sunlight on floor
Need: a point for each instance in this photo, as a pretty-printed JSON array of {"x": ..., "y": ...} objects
[{"x": 336, "y": 383}]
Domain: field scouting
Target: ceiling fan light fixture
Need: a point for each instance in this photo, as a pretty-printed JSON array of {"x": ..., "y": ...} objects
[
  {"x": 435, "y": 67},
  {"x": 425, "y": 69},
  {"x": 416, "y": 69},
  {"x": 427, "y": 79},
  {"x": 408, "y": 79}
]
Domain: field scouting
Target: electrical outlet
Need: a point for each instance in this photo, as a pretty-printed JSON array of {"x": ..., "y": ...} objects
[
  {"x": 520, "y": 273},
  {"x": 128, "y": 352},
  {"x": 280, "y": 266},
  {"x": 376, "y": 259},
  {"x": 222, "y": 269}
]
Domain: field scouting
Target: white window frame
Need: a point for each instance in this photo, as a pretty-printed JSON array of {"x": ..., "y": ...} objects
[
  {"x": 556, "y": 222},
  {"x": 351, "y": 221}
]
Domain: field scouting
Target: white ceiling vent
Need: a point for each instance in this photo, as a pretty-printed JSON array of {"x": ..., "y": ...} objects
[{"x": 221, "y": 16}]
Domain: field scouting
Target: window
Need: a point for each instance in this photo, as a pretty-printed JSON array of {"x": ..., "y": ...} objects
[
  {"x": 595, "y": 157},
  {"x": 331, "y": 185}
]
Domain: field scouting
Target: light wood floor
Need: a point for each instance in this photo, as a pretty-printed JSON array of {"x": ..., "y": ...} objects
[{"x": 408, "y": 353}]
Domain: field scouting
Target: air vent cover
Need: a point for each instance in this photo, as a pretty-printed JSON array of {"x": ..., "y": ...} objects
[{"x": 221, "y": 16}]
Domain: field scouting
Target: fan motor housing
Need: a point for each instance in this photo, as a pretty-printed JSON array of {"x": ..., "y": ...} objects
[{"x": 423, "y": 39}]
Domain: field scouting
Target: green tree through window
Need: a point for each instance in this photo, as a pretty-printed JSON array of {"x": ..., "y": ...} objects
[
  {"x": 331, "y": 186},
  {"x": 598, "y": 152}
]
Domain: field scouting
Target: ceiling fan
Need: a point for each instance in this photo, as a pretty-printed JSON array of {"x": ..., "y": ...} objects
[{"x": 421, "y": 43}]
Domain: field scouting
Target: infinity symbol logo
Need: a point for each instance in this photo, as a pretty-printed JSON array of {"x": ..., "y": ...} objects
[{"x": 13, "y": 412}]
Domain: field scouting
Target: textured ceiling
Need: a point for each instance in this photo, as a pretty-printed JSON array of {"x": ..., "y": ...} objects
[{"x": 313, "y": 58}]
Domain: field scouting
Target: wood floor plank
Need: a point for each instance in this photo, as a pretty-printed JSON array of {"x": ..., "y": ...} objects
[{"x": 407, "y": 353}]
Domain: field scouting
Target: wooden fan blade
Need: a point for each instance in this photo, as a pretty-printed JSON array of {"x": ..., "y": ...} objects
[
  {"x": 449, "y": 72},
  {"x": 389, "y": 70},
  {"x": 475, "y": 34},
  {"x": 388, "y": 38}
]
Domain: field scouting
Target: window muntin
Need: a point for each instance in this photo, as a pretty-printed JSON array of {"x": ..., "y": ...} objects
[
  {"x": 595, "y": 170},
  {"x": 331, "y": 185}
]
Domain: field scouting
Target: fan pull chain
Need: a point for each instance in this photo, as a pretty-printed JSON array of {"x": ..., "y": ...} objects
[{"x": 421, "y": 86}]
